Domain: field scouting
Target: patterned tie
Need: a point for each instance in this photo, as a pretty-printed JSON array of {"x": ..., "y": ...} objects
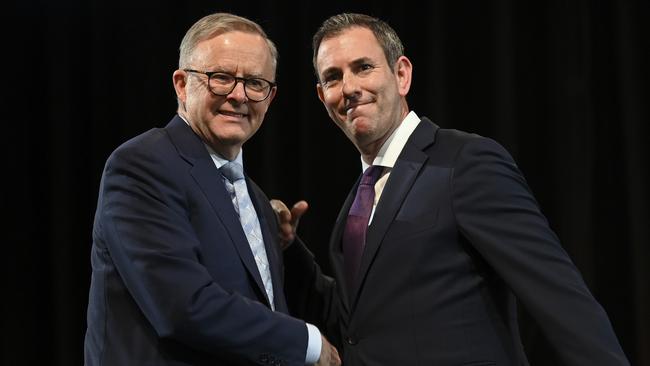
[
  {"x": 354, "y": 236},
  {"x": 236, "y": 185}
]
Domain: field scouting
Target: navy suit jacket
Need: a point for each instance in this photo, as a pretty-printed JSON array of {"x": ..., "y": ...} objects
[
  {"x": 174, "y": 281},
  {"x": 455, "y": 238}
]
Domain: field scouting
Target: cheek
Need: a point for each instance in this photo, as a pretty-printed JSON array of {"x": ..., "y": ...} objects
[
  {"x": 198, "y": 102},
  {"x": 257, "y": 114},
  {"x": 331, "y": 97}
]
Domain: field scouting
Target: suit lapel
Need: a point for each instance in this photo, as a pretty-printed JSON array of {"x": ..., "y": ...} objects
[
  {"x": 401, "y": 179},
  {"x": 267, "y": 219},
  {"x": 207, "y": 176}
]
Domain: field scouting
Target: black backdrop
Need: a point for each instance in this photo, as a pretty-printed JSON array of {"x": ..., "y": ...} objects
[{"x": 562, "y": 84}]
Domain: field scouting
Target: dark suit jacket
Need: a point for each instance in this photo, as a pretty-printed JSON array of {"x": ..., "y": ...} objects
[
  {"x": 173, "y": 278},
  {"x": 455, "y": 237}
]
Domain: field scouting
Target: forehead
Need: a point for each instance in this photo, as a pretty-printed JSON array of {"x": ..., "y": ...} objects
[
  {"x": 351, "y": 44},
  {"x": 235, "y": 52}
]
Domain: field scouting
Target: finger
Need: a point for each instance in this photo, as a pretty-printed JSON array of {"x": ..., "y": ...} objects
[
  {"x": 335, "y": 356},
  {"x": 335, "y": 352},
  {"x": 276, "y": 203},
  {"x": 285, "y": 217},
  {"x": 298, "y": 209},
  {"x": 278, "y": 206},
  {"x": 281, "y": 210}
]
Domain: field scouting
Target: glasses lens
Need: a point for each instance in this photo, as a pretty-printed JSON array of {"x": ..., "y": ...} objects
[
  {"x": 221, "y": 84},
  {"x": 257, "y": 89}
]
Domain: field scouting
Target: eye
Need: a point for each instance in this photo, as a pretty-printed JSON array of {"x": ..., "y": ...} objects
[
  {"x": 329, "y": 79},
  {"x": 366, "y": 67},
  {"x": 257, "y": 84},
  {"x": 222, "y": 78}
]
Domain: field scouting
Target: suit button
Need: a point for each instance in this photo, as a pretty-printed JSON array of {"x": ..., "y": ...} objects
[{"x": 352, "y": 341}]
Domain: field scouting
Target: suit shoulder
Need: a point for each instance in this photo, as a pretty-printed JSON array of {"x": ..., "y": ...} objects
[
  {"x": 151, "y": 142},
  {"x": 150, "y": 151},
  {"x": 143, "y": 141},
  {"x": 450, "y": 143},
  {"x": 458, "y": 138}
]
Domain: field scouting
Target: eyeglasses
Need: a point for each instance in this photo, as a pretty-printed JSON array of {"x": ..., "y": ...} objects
[{"x": 222, "y": 84}]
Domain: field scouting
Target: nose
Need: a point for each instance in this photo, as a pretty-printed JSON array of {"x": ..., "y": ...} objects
[
  {"x": 238, "y": 93},
  {"x": 350, "y": 89}
]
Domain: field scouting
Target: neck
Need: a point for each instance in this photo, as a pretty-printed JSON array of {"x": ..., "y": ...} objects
[
  {"x": 225, "y": 151},
  {"x": 369, "y": 158},
  {"x": 369, "y": 151}
]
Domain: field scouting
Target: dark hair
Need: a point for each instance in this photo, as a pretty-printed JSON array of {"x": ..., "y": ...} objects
[{"x": 386, "y": 36}]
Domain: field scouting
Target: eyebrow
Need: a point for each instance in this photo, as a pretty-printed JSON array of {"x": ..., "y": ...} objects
[
  {"x": 362, "y": 60},
  {"x": 330, "y": 71},
  {"x": 353, "y": 63},
  {"x": 226, "y": 71}
]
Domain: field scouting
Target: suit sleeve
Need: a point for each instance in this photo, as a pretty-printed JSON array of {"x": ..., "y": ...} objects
[
  {"x": 143, "y": 223},
  {"x": 311, "y": 295},
  {"x": 498, "y": 214}
]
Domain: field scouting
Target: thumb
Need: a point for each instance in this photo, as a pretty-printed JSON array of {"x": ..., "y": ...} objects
[{"x": 298, "y": 209}]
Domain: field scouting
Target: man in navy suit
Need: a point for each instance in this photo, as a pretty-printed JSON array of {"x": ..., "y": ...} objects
[
  {"x": 186, "y": 268},
  {"x": 453, "y": 233}
]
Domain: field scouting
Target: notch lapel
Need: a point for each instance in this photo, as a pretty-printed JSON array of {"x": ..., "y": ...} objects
[
  {"x": 266, "y": 217},
  {"x": 208, "y": 178},
  {"x": 401, "y": 179}
]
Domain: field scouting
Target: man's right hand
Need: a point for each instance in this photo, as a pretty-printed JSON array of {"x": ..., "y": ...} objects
[
  {"x": 288, "y": 220},
  {"x": 329, "y": 356}
]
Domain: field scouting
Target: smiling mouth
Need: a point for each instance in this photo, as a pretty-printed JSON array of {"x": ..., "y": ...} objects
[
  {"x": 350, "y": 108},
  {"x": 233, "y": 114}
]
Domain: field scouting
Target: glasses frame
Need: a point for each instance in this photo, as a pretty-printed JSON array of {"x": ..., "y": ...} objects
[{"x": 234, "y": 85}]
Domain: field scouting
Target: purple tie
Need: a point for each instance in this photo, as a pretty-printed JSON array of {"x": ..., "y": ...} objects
[{"x": 354, "y": 236}]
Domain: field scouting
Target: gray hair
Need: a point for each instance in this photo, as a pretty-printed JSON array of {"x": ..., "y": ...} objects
[
  {"x": 216, "y": 24},
  {"x": 336, "y": 24}
]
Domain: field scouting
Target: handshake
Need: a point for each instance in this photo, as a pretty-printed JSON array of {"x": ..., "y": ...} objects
[
  {"x": 329, "y": 356},
  {"x": 288, "y": 223}
]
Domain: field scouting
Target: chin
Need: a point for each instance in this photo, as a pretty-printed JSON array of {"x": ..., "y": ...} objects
[
  {"x": 361, "y": 129},
  {"x": 361, "y": 137},
  {"x": 231, "y": 137}
]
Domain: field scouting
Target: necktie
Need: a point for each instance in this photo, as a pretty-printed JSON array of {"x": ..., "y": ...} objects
[
  {"x": 236, "y": 186},
  {"x": 354, "y": 236}
]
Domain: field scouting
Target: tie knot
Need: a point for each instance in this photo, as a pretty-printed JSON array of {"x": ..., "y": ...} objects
[
  {"x": 371, "y": 175},
  {"x": 232, "y": 171}
]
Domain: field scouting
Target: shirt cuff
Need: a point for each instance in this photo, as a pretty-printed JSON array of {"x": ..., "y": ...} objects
[{"x": 314, "y": 345}]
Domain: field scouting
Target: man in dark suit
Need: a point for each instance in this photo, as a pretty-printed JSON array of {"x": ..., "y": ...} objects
[
  {"x": 186, "y": 268},
  {"x": 452, "y": 234}
]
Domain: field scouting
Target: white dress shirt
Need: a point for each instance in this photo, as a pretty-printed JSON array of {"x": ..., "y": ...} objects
[{"x": 389, "y": 152}]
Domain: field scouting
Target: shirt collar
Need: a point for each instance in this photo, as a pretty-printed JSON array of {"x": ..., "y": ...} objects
[
  {"x": 219, "y": 160},
  {"x": 393, "y": 146}
]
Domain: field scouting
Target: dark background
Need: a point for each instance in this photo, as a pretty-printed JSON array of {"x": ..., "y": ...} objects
[{"x": 563, "y": 85}]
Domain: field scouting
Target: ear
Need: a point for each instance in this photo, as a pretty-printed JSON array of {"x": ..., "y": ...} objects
[
  {"x": 319, "y": 90},
  {"x": 403, "y": 72},
  {"x": 179, "y": 78}
]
